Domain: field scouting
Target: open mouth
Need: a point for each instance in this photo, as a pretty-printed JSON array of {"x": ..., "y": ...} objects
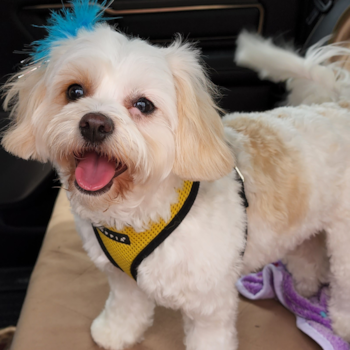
[{"x": 94, "y": 173}]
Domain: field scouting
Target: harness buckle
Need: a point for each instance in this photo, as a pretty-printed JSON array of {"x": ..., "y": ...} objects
[{"x": 239, "y": 173}]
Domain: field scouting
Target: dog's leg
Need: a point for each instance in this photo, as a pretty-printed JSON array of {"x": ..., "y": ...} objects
[
  {"x": 211, "y": 325},
  {"x": 309, "y": 265},
  {"x": 338, "y": 243},
  {"x": 127, "y": 314}
]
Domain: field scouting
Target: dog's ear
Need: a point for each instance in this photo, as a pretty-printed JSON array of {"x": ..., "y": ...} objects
[
  {"x": 201, "y": 151},
  {"x": 23, "y": 93}
]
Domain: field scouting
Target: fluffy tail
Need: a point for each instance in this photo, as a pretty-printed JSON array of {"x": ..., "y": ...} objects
[{"x": 316, "y": 78}]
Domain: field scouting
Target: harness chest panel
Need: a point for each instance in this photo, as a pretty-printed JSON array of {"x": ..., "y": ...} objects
[{"x": 127, "y": 248}]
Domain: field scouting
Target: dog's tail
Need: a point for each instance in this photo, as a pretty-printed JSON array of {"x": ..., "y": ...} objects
[{"x": 316, "y": 78}]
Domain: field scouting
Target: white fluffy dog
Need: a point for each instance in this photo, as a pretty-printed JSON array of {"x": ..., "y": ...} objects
[{"x": 130, "y": 126}]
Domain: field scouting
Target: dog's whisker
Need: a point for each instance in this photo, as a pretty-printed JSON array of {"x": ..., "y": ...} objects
[
  {"x": 106, "y": 209},
  {"x": 60, "y": 187}
]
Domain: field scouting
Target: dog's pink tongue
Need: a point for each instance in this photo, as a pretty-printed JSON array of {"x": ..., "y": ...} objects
[{"x": 94, "y": 172}]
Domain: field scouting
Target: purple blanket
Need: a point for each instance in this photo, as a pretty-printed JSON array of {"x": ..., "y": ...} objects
[{"x": 274, "y": 281}]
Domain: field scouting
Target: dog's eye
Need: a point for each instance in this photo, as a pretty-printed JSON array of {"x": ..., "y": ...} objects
[
  {"x": 75, "y": 92},
  {"x": 144, "y": 106}
]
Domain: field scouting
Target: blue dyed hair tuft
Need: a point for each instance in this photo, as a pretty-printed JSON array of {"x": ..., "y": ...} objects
[{"x": 66, "y": 23}]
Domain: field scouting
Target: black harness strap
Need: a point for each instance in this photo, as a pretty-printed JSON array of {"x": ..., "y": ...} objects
[
  {"x": 173, "y": 224},
  {"x": 245, "y": 203}
]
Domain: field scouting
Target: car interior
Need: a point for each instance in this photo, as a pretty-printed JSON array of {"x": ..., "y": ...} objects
[{"x": 28, "y": 189}]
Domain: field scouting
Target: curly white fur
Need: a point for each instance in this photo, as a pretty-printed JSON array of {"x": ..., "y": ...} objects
[
  {"x": 295, "y": 162},
  {"x": 316, "y": 78}
]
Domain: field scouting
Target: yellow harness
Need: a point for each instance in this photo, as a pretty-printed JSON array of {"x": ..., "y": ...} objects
[{"x": 126, "y": 248}]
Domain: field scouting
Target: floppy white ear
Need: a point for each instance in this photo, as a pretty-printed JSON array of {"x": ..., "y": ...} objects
[
  {"x": 201, "y": 151},
  {"x": 22, "y": 96}
]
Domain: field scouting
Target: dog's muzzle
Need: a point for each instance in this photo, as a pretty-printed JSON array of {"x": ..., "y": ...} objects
[{"x": 95, "y": 171}]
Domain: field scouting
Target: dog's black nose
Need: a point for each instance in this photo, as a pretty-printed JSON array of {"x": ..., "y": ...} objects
[{"x": 94, "y": 127}]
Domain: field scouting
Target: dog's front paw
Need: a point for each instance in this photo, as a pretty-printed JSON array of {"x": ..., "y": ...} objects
[
  {"x": 340, "y": 323},
  {"x": 114, "y": 334}
]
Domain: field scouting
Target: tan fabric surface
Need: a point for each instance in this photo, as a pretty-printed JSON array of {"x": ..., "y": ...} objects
[
  {"x": 67, "y": 292},
  {"x": 341, "y": 33},
  {"x": 341, "y": 30}
]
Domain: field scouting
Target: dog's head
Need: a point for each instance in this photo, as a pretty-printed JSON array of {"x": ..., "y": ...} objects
[{"x": 112, "y": 112}]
